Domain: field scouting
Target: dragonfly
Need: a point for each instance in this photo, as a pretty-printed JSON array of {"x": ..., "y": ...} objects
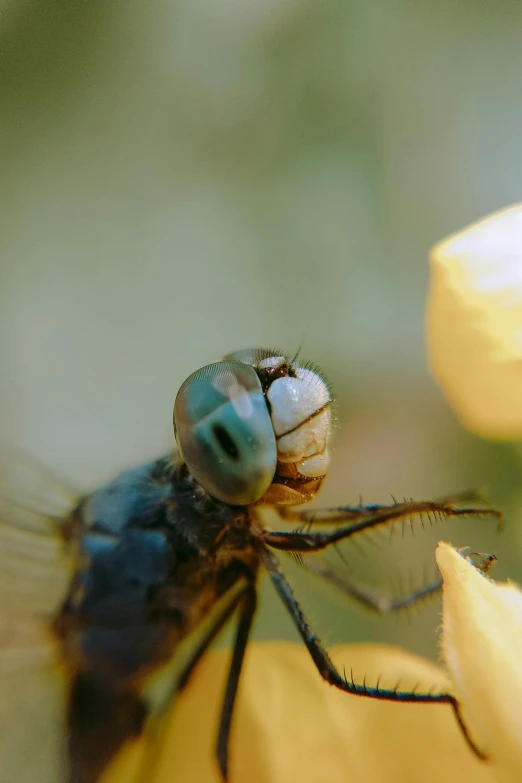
[{"x": 107, "y": 587}]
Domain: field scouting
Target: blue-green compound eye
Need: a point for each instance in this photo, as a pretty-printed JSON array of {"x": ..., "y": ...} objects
[{"x": 224, "y": 432}]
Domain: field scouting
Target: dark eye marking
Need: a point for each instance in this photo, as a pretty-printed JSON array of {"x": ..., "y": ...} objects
[{"x": 226, "y": 442}]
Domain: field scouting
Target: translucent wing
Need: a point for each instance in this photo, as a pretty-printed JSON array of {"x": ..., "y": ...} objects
[
  {"x": 382, "y": 556},
  {"x": 35, "y": 569},
  {"x": 142, "y": 761}
]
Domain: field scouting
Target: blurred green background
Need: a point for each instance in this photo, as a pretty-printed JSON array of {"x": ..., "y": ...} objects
[{"x": 181, "y": 179}]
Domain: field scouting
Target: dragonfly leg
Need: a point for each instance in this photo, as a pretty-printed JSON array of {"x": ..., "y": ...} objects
[
  {"x": 373, "y": 600},
  {"x": 219, "y": 623},
  {"x": 247, "y": 599},
  {"x": 349, "y": 522},
  {"x": 243, "y": 631},
  {"x": 330, "y": 673}
]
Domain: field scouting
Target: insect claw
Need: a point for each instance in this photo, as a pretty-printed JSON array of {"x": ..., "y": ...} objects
[{"x": 488, "y": 561}]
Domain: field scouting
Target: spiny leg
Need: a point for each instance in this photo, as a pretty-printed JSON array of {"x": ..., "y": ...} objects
[
  {"x": 319, "y": 655},
  {"x": 243, "y": 631},
  {"x": 379, "y": 602},
  {"x": 328, "y": 670},
  {"x": 361, "y": 519},
  {"x": 376, "y": 602}
]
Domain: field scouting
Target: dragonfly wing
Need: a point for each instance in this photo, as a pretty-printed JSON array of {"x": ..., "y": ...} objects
[
  {"x": 32, "y": 707},
  {"x": 151, "y": 757},
  {"x": 35, "y": 570}
]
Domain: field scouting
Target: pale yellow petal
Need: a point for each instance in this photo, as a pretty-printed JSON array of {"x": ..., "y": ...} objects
[
  {"x": 474, "y": 323},
  {"x": 482, "y": 647},
  {"x": 290, "y": 726}
]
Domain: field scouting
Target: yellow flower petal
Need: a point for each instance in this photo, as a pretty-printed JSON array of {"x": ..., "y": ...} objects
[
  {"x": 482, "y": 647},
  {"x": 291, "y": 726},
  {"x": 474, "y": 323}
]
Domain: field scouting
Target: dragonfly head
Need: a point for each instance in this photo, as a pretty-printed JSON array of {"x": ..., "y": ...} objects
[{"x": 255, "y": 428}]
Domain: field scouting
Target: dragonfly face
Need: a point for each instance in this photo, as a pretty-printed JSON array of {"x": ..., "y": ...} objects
[
  {"x": 172, "y": 549},
  {"x": 255, "y": 428}
]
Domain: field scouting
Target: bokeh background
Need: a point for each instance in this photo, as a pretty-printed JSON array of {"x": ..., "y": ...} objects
[{"x": 181, "y": 179}]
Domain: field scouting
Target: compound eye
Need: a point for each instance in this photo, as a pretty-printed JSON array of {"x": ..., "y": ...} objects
[{"x": 224, "y": 432}]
